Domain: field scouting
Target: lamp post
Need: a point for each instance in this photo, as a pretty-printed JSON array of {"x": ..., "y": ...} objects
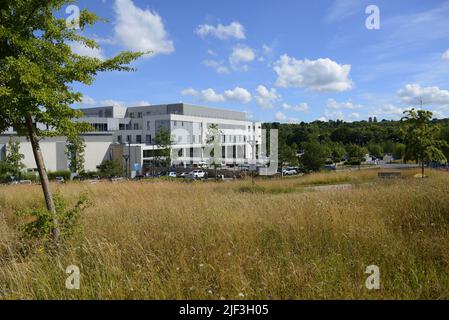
[{"x": 126, "y": 158}]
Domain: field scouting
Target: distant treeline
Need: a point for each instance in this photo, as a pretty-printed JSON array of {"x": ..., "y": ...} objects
[{"x": 339, "y": 140}]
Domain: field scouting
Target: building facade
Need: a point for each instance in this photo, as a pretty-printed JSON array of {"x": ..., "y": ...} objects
[{"x": 130, "y": 134}]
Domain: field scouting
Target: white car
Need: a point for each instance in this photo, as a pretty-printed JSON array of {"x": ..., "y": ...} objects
[
  {"x": 196, "y": 174},
  {"x": 172, "y": 174},
  {"x": 290, "y": 172}
]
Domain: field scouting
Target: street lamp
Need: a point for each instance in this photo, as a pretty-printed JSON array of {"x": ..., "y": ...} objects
[{"x": 126, "y": 158}]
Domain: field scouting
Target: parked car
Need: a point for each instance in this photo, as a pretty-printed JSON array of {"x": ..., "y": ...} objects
[
  {"x": 60, "y": 180},
  {"x": 289, "y": 172},
  {"x": 183, "y": 175},
  {"x": 172, "y": 174},
  {"x": 196, "y": 174},
  {"x": 29, "y": 182}
]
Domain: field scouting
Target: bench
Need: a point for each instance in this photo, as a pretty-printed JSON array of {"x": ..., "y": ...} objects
[{"x": 389, "y": 175}]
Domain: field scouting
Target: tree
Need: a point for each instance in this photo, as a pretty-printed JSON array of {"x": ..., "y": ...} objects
[
  {"x": 421, "y": 137},
  {"x": 110, "y": 168},
  {"x": 399, "y": 151},
  {"x": 338, "y": 152},
  {"x": 163, "y": 141},
  {"x": 75, "y": 151},
  {"x": 37, "y": 70},
  {"x": 14, "y": 159},
  {"x": 376, "y": 150},
  {"x": 355, "y": 153},
  {"x": 315, "y": 155}
]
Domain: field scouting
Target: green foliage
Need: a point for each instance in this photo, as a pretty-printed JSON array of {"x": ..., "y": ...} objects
[
  {"x": 338, "y": 151},
  {"x": 355, "y": 153},
  {"x": 40, "y": 228},
  {"x": 75, "y": 151},
  {"x": 376, "y": 150},
  {"x": 422, "y": 137},
  {"x": 315, "y": 156},
  {"x": 110, "y": 168},
  {"x": 14, "y": 159},
  {"x": 61, "y": 173},
  {"x": 163, "y": 141}
]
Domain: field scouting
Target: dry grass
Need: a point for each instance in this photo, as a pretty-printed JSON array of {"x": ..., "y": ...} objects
[{"x": 212, "y": 240}]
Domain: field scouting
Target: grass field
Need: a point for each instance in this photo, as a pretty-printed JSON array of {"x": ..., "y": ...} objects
[{"x": 282, "y": 239}]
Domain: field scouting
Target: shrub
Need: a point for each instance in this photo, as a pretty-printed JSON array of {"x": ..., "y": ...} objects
[
  {"x": 62, "y": 173},
  {"x": 42, "y": 225}
]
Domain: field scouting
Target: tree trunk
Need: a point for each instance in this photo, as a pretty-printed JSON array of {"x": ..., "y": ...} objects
[
  {"x": 422, "y": 169},
  {"x": 34, "y": 139}
]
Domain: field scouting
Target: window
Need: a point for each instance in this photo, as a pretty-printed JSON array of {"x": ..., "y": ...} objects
[
  {"x": 139, "y": 115},
  {"x": 148, "y": 125},
  {"x": 223, "y": 152},
  {"x": 119, "y": 139},
  {"x": 131, "y": 115},
  {"x": 175, "y": 123},
  {"x": 148, "y": 139},
  {"x": 138, "y": 138},
  {"x": 128, "y": 139},
  {"x": 136, "y": 126},
  {"x": 121, "y": 126}
]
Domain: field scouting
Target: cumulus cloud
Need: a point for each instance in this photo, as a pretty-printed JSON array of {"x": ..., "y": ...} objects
[
  {"x": 83, "y": 50},
  {"x": 218, "y": 66},
  {"x": 141, "y": 30},
  {"x": 316, "y": 75},
  {"x": 302, "y": 107},
  {"x": 279, "y": 116},
  {"x": 412, "y": 94},
  {"x": 266, "y": 98},
  {"x": 446, "y": 55},
  {"x": 222, "y": 32},
  {"x": 210, "y": 95},
  {"x": 240, "y": 57},
  {"x": 238, "y": 95},
  {"x": 332, "y": 104}
]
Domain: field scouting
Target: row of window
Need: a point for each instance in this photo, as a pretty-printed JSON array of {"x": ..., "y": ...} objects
[{"x": 138, "y": 140}]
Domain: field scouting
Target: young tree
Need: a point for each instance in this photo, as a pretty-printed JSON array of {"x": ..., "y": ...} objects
[
  {"x": 421, "y": 138},
  {"x": 315, "y": 155},
  {"x": 110, "y": 168},
  {"x": 37, "y": 70},
  {"x": 163, "y": 141},
  {"x": 14, "y": 159},
  {"x": 75, "y": 151}
]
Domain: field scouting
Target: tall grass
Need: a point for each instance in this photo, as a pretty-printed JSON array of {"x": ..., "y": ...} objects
[{"x": 212, "y": 241}]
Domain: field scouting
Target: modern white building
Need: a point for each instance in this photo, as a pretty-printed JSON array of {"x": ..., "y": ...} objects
[{"x": 129, "y": 135}]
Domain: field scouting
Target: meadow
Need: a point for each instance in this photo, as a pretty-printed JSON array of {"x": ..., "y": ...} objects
[{"x": 279, "y": 239}]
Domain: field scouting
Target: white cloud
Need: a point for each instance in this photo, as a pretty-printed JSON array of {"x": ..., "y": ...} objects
[
  {"x": 265, "y": 98},
  {"x": 211, "y": 52},
  {"x": 333, "y": 115},
  {"x": 279, "y": 116},
  {"x": 389, "y": 110},
  {"x": 111, "y": 102},
  {"x": 332, "y": 104},
  {"x": 446, "y": 55},
  {"x": 210, "y": 95},
  {"x": 233, "y": 30},
  {"x": 141, "y": 30},
  {"x": 86, "y": 100},
  {"x": 83, "y": 50},
  {"x": 217, "y": 65},
  {"x": 190, "y": 92},
  {"x": 238, "y": 94},
  {"x": 240, "y": 56},
  {"x": 316, "y": 75},
  {"x": 412, "y": 94},
  {"x": 302, "y": 107}
]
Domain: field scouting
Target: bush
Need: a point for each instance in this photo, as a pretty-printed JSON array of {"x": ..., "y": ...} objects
[
  {"x": 42, "y": 225},
  {"x": 29, "y": 176},
  {"x": 66, "y": 174}
]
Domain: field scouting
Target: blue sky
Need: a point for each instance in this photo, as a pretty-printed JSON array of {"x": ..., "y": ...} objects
[{"x": 284, "y": 60}]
